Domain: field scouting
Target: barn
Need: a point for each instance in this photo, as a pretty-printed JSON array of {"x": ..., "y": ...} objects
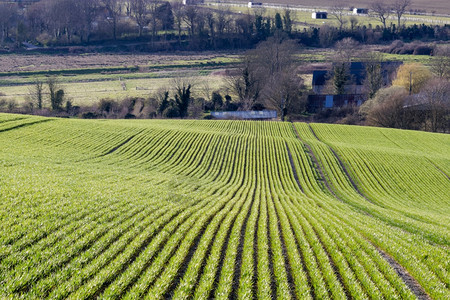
[
  {"x": 360, "y": 11},
  {"x": 245, "y": 115},
  {"x": 317, "y": 103},
  {"x": 192, "y": 2},
  {"x": 254, "y": 4},
  {"x": 320, "y": 15}
]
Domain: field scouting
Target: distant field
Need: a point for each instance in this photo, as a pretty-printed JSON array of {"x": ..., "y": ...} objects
[
  {"x": 303, "y": 18},
  {"x": 89, "y": 93},
  {"x": 186, "y": 209},
  {"x": 437, "y": 6},
  {"x": 89, "y": 78},
  {"x": 44, "y": 62}
]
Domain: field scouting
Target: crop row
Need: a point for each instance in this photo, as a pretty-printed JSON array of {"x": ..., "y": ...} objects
[{"x": 219, "y": 209}]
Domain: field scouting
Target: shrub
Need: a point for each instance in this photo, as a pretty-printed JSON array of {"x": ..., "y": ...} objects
[
  {"x": 171, "y": 112},
  {"x": 11, "y": 105},
  {"x": 108, "y": 106},
  {"x": 423, "y": 50},
  {"x": 89, "y": 115}
]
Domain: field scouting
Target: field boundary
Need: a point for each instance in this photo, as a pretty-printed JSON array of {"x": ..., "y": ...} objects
[
  {"x": 316, "y": 164},
  {"x": 341, "y": 163}
]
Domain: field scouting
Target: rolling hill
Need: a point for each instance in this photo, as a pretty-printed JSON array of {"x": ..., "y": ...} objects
[{"x": 221, "y": 209}]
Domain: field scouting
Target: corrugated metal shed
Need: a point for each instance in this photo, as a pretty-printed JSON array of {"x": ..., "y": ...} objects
[{"x": 246, "y": 115}]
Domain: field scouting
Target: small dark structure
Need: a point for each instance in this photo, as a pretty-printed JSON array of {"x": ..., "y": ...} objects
[
  {"x": 254, "y": 4},
  {"x": 360, "y": 11},
  {"x": 319, "y": 15},
  {"x": 245, "y": 115},
  {"x": 192, "y": 2}
]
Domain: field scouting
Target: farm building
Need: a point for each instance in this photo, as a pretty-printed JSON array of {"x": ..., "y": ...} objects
[
  {"x": 245, "y": 115},
  {"x": 360, "y": 11},
  {"x": 354, "y": 86},
  {"x": 357, "y": 72},
  {"x": 320, "y": 102},
  {"x": 192, "y": 2},
  {"x": 254, "y": 4},
  {"x": 320, "y": 15}
]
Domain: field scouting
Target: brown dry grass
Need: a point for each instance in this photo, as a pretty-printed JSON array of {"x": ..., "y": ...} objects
[{"x": 42, "y": 62}]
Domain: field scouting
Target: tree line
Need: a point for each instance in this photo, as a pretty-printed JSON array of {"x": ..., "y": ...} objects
[{"x": 171, "y": 25}]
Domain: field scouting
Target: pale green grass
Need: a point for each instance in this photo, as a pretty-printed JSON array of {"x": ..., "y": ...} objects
[
  {"x": 89, "y": 93},
  {"x": 305, "y": 17}
]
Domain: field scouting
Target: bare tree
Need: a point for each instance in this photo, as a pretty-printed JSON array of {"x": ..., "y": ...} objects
[
  {"x": 276, "y": 60},
  {"x": 269, "y": 73},
  {"x": 381, "y": 10},
  {"x": 440, "y": 65},
  {"x": 246, "y": 83},
  {"x": 37, "y": 93},
  {"x": 8, "y": 14},
  {"x": 346, "y": 49},
  {"x": 387, "y": 108},
  {"x": 222, "y": 20},
  {"x": 114, "y": 9},
  {"x": 327, "y": 35},
  {"x": 283, "y": 91},
  {"x": 399, "y": 8},
  {"x": 436, "y": 96},
  {"x": 206, "y": 89},
  {"x": 89, "y": 11},
  {"x": 190, "y": 16},
  {"x": 153, "y": 11},
  {"x": 140, "y": 13},
  {"x": 374, "y": 76},
  {"x": 211, "y": 22},
  {"x": 339, "y": 11},
  {"x": 36, "y": 15},
  {"x": 178, "y": 13},
  {"x": 65, "y": 15}
]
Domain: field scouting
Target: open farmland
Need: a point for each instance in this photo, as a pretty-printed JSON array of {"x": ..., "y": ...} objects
[
  {"x": 302, "y": 15},
  {"x": 87, "y": 78},
  {"x": 437, "y": 6},
  {"x": 221, "y": 209}
]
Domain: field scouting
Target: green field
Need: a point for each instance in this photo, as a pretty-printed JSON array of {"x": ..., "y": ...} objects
[{"x": 188, "y": 209}]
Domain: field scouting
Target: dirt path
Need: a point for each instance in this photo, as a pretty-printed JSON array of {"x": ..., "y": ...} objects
[
  {"x": 316, "y": 164},
  {"x": 293, "y": 168},
  {"x": 344, "y": 169},
  {"x": 410, "y": 282}
]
